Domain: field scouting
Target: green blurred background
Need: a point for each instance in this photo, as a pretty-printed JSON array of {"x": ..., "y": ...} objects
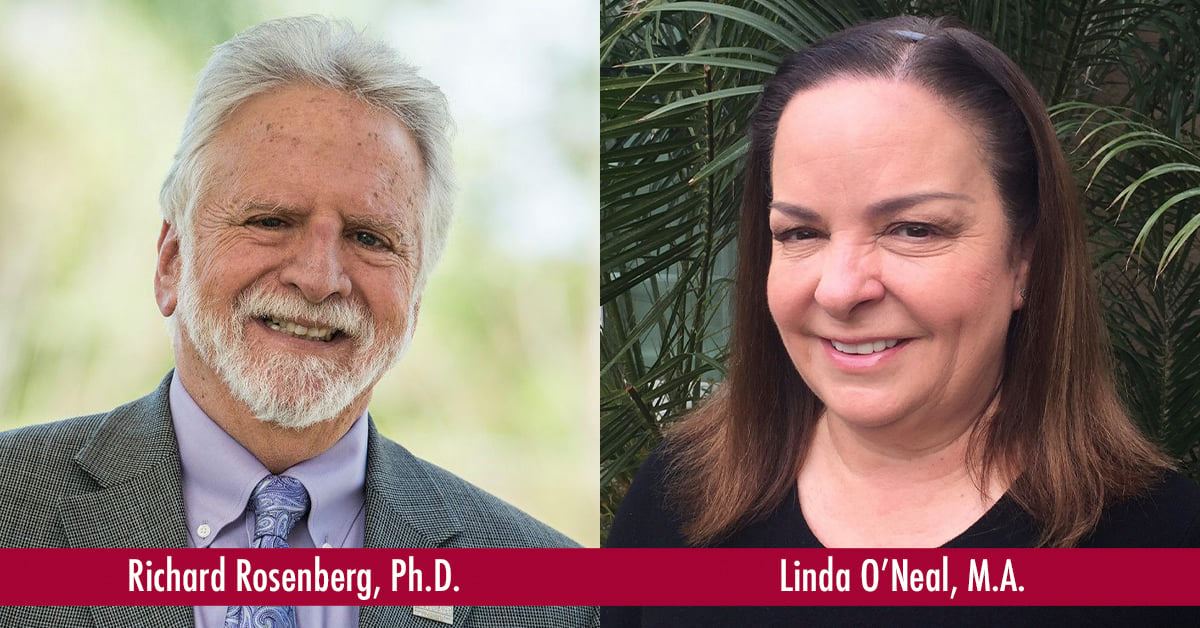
[{"x": 499, "y": 385}]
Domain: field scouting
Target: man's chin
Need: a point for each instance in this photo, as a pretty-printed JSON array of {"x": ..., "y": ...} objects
[
  {"x": 294, "y": 421},
  {"x": 295, "y": 412},
  {"x": 293, "y": 398}
]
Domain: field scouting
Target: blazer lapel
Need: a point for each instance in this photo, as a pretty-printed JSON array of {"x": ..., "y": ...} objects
[
  {"x": 405, "y": 508},
  {"x": 134, "y": 459}
]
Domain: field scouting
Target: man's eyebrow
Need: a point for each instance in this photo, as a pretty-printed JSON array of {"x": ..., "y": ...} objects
[
  {"x": 382, "y": 225},
  {"x": 886, "y": 207},
  {"x": 257, "y": 205}
]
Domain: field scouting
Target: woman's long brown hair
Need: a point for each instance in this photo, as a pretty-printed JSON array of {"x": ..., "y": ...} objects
[{"x": 1058, "y": 423}]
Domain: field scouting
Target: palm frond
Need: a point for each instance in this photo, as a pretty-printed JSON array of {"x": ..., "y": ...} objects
[{"x": 1142, "y": 195}]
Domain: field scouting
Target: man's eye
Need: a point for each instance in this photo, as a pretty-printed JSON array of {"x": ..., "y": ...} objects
[
  {"x": 368, "y": 239},
  {"x": 269, "y": 222}
]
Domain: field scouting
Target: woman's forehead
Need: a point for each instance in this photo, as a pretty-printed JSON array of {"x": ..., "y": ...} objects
[{"x": 864, "y": 138}]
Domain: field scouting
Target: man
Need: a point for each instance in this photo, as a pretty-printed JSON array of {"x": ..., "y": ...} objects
[{"x": 307, "y": 204}]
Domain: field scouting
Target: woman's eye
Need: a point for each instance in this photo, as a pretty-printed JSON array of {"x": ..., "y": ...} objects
[
  {"x": 914, "y": 231},
  {"x": 796, "y": 234}
]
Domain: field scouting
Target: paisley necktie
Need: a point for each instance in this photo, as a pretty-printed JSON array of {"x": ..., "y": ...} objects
[{"x": 278, "y": 502}]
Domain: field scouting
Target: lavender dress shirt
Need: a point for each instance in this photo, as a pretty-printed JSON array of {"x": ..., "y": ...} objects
[{"x": 218, "y": 475}]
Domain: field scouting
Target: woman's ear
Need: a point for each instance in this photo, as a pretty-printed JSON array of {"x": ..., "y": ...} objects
[{"x": 1021, "y": 263}]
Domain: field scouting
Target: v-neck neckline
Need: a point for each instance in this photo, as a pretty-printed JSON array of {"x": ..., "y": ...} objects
[{"x": 994, "y": 528}]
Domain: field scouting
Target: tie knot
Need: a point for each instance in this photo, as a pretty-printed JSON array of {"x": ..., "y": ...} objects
[{"x": 278, "y": 502}]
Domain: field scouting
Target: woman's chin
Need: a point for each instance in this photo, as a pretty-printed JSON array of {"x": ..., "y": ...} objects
[{"x": 865, "y": 414}]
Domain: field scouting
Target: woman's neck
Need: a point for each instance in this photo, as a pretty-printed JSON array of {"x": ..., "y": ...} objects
[
  {"x": 903, "y": 484},
  {"x": 896, "y": 455}
]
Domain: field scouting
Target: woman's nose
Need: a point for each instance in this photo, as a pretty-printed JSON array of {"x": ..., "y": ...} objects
[{"x": 849, "y": 278}]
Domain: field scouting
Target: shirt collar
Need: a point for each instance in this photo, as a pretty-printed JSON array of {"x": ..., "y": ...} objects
[
  {"x": 335, "y": 481},
  {"x": 219, "y": 475}
]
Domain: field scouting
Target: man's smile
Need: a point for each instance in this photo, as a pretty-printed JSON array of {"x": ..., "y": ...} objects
[{"x": 312, "y": 332}]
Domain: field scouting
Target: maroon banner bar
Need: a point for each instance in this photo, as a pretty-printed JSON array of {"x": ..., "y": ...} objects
[{"x": 608, "y": 577}]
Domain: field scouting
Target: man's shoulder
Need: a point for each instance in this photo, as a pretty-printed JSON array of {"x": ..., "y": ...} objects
[
  {"x": 487, "y": 520},
  {"x": 54, "y": 435},
  {"x": 492, "y": 517},
  {"x": 37, "y": 470},
  {"x": 35, "y": 453}
]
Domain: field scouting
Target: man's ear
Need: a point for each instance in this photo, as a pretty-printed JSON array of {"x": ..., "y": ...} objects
[{"x": 167, "y": 271}]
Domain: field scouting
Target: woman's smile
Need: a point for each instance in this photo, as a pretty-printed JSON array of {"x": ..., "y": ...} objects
[{"x": 863, "y": 355}]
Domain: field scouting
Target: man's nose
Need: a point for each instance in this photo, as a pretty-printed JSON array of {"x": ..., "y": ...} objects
[
  {"x": 849, "y": 278},
  {"x": 315, "y": 265}
]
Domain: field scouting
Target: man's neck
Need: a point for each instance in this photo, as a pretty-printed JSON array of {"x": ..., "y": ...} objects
[{"x": 277, "y": 448}]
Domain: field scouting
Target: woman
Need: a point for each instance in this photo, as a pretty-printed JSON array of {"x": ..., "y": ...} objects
[{"x": 918, "y": 357}]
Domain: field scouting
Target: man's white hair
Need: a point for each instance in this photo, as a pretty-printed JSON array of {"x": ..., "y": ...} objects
[{"x": 326, "y": 53}]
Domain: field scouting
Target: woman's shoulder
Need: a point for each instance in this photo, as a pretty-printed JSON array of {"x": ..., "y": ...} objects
[
  {"x": 1166, "y": 515},
  {"x": 644, "y": 518}
]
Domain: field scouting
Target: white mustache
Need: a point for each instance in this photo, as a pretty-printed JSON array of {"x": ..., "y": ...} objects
[{"x": 351, "y": 318}]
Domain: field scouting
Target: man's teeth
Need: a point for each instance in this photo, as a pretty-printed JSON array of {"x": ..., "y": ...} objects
[
  {"x": 864, "y": 348},
  {"x": 311, "y": 333}
]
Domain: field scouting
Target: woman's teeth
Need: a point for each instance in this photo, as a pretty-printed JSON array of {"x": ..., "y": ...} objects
[{"x": 864, "y": 348}]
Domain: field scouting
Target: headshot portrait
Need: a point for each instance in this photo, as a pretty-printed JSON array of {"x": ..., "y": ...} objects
[
  {"x": 308, "y": 203},
  {"x": 877, "y": 308}
]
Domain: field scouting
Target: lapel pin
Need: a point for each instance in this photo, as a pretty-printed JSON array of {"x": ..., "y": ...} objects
[{"x": 444, "y": 614}]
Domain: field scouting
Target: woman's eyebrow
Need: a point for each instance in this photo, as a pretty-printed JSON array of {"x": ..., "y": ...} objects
[
  {"x": 799, "y": 212},
  {"x": 891, "y": 206},
  {"x": 878, "y": 209}
]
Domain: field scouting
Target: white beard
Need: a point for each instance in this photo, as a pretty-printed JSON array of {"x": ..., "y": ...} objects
[{"x": 289, "y": 390}]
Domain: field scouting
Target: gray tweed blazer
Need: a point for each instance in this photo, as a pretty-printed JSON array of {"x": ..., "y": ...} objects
[{"x": 114, "y": 480}]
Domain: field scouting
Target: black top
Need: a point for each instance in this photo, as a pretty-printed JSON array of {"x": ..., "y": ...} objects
[{"x": 1167, "y": 516}]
